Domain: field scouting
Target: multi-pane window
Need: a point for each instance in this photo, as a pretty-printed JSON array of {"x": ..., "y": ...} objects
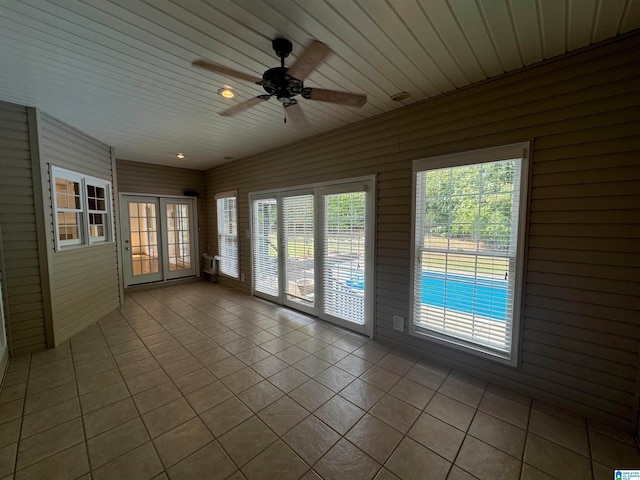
[
  {"x": 69, "y": 210},
  {"x": 227, "y": 207},
  {"x": 469, "y": 209},
  {"x": 97, "y": 209},
  {"x": 82, "y": 214}
]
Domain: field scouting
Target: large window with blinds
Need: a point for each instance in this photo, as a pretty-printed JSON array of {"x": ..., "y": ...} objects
[
  {"x": 227, "y": 207},
  {"x": 264, "y": 247},
  {"x": 469, "y": 223}
]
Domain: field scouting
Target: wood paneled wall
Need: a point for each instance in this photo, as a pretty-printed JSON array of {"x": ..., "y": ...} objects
[
  {"x": 18, "y": 220},
  {"x": 581, "y": 323},
  {"x": 84, "y": 280}
]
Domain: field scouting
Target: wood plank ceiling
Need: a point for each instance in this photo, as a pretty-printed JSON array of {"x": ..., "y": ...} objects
[{"x": 120, "y": 70}]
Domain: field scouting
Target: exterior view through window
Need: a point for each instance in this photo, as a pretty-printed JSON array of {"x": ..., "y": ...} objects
[
  {"x": 311, "y": 250},
  {"x": 468, "y": 229}
]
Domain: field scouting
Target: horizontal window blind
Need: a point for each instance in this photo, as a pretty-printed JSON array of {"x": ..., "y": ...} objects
[
  {"x": 228, "y": 233},
  {"x": 298, "y": 237},
  {"x": 344, "y": 255},
  {"x": 466, "y": 251},
  {"x": 265, "y": 246}
]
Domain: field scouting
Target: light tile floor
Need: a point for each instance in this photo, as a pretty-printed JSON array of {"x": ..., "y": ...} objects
[{"x": 201, "y": 382}]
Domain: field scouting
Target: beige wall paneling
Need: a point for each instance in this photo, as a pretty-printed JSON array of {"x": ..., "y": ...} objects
[
  {"x": 41, "y": 227},
  {"x": 580, "y": 334},
  {"x": 84, "y": 280},
  {"x": 18, "y": 212},
  {"x": 116, "y": 214}
]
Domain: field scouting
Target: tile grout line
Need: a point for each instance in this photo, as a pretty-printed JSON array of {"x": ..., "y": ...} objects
[
  {"x": 290, "y": 325},
  {"x": 164, "y": 467},
  {"x": 24, "y": 404},
  {"x": 84, "y": 430}
]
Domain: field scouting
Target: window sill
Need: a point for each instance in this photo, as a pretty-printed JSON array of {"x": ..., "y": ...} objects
[{"x": 495, "y": 355}]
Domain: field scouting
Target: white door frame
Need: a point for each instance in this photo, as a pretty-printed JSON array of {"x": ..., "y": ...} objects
[
  {"x": 161, "y": 201},
  {"x": 367, "y": 187}
]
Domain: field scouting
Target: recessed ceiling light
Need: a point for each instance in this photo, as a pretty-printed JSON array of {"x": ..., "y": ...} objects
[
  {"x": 180, "y": 155},
  {"x": 399, "y": 97},
  {"x": 226, "y": 93}
]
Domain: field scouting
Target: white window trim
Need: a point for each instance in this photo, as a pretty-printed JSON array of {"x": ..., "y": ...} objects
[
  {"x": 521, "y": 150},
  {"x": 85, "y": 239},
  {"x": 220, "y": 196}
]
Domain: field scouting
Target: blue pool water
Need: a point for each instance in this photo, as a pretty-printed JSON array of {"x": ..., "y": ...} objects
[
  {"x": 483, "y": 297},
  {"x": 461, "y": 293}
]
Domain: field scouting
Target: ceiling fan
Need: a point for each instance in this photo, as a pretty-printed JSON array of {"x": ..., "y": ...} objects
[{"x": 286, "y": 83}]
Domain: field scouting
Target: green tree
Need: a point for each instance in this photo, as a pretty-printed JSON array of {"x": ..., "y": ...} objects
[{"x": 471, "y": 202}]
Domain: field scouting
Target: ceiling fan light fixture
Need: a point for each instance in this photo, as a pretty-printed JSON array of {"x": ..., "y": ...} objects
[
  {"x": 399, "y": 97},
  {"x": 284, "y": 83},
  {"x": 226, "y": 93},
  {"x": 180, "y": 156}
]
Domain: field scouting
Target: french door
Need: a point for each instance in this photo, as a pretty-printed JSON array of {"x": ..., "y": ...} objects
[
  {"x": 312, "y": 251},
  {"x": 158, "y": 235}
]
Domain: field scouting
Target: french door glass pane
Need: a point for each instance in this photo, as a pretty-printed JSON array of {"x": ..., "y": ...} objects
[
  {"x": 298, "y": 238},
  {"x": 344, "y": 255},
  {"x": 143, "y": 224},
  {"x": 178, "y": 239},
  {"x": 265, "y": 246}
]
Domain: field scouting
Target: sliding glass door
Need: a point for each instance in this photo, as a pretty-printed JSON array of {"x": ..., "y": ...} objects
[{"x": 312, "y": 251}]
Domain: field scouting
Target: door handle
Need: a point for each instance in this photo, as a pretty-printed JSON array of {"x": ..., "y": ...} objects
[{"x": 126, "y": 248}]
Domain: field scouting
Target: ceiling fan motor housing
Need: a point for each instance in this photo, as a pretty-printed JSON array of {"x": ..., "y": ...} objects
[
  {"x": 276, "y": 81},
  {"x": 282, "y": 47}
]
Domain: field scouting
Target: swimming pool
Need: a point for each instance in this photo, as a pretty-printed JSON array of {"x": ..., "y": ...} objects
[{"x": 483, "y": 297}]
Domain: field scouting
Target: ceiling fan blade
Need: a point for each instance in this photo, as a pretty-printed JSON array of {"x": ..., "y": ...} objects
[
  {"x": 333, "y": 96},
  {"x": 296, "y": 115},
  {"x": 242, "y": 106},
  {"x": 229, "y": 72},
  {"x": 309, "y": 60}
]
